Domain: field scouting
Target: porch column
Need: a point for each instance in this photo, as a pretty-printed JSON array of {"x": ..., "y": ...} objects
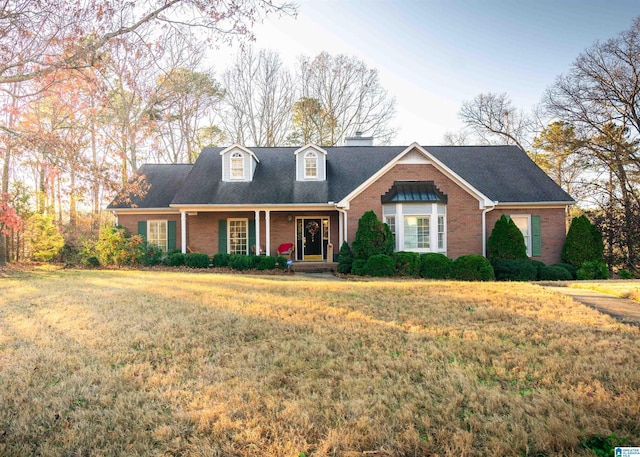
[
  {"x": 183, "y": 231},
  {"x": 267, "y": 221},
  {"x": 257, "y": 232},
  {"x": 341, "y": 217}
]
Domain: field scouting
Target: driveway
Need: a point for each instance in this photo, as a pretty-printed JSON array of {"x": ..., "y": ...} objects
[{"x": 627, "y": 311}]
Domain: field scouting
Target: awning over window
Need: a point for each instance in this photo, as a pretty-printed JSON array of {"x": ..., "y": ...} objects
[{"x": 414, "y": 191}]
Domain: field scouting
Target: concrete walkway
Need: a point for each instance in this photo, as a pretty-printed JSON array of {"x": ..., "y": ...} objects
[{"x": 627, "y": 311}]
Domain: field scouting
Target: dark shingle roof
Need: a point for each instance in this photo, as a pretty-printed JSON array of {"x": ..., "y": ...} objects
[
  {"x": 161, "y": 183},
  {"x": 501, "y": 173}
]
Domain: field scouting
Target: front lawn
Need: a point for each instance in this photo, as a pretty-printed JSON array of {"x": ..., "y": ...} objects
[{"x": 175, "y": 363}]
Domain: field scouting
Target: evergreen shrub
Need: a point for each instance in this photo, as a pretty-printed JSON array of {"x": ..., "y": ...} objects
[
  {"x": 196, "y": 260},
  {"x": 593, "y": 270},
  {"x": 345, "y": 259},
  {"x": 583, "y": 243},
  {"x": 624, "y": 274},
  {"x": 407, "y": 263},
  {"x": 555, "y": 273},
  {"x": 515, "y": 270},
  {"x": 472, "y": 267},
  {"x": 539, "y": 265},
  {"x": 150, "y": 255},
  {"x": 221, "y": 259},
  {"x": 267, "y": 262},
  {"x": 570, "y": 268},
  {"x": 380, "y": 265},
  {"x": 174, "y": 260},
  {"x": 282, "y": 262},
  {"x": 434, "y": 265},
  {"x": 506, "y": 241},
  {"x": 240, "y": 262},
  {"x": 357, "y": 268},
  {"x": 372, "y": 237}
]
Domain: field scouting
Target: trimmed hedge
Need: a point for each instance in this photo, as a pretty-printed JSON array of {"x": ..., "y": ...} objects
[
  {"x": 570, "y": 268},
  {"x": 380, "y": 265},
  {"x": 267, "y": 262},
  {"x": 282, "y": 262},
  {"x": 407, "y": 263},
  {"x": 372, "y": 237},
  {"x": 555, "y": 273},
  {"x": 472, "y": 267},
  {"x": 515, "y": 270},
  {"x": 174, "y": 260},
  {"x": 435, "y": 266},
  {"x": 583, "y": 243},
  {"x": 240, "y": 262},
  {"x": 196, "y": 260},
  {"x": 221, "y": 259}
]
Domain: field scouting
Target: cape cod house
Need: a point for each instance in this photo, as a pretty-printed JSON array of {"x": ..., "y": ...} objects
[{"x": 434, "y": 198}]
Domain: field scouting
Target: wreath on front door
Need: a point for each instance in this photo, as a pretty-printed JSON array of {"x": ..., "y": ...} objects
[{"x": 312, "y": 228}]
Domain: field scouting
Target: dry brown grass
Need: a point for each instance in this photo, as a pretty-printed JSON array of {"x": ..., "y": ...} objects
[
  {"x": 621, "y": 288},
  {"x": 161, "y": 363}
]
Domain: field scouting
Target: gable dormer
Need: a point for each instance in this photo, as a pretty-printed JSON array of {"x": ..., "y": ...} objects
[
  {"x": 311, "y": 163},
  {"x": 238, "y": 164}
]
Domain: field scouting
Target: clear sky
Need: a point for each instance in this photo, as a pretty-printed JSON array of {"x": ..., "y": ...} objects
[{"x": 434, "y": 54}]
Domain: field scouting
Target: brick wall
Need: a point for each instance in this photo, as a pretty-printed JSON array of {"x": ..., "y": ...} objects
[{"x": 464, "y": 218}]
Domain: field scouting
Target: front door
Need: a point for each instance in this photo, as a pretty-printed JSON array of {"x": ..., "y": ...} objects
[{"x": 311, "y": 234}]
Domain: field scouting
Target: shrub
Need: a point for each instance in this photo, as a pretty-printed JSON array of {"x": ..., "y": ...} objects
[
  {"x": 624, "y": 274},
  {"x": 506, "y": 241},
  {"x": 372, "y": 237},
  {"x": 175, "y": 260},
  {"x": 515, "y": 270},
  {"x": 555, "y": 273},
  {"x": 221, "y": 259},
  {"x": 240, "y": 262},
  {"x": 150, "y": 255},
  {"x": 435, "y": 266},
  {"x": 593, "y": 270},
  {"x": 472, "y": 267},
  {"x": 345, "y": 258},
  {"x": 45, "y": 240},
  {"x": 570, "y": 268},
  {"x": 90, "y": 261},
  {"x": 114, "y": 247},
  {"x": 196, "y": 260},
  {"x": 267, "y": 262},
  {"x": 357, "y": 268},
  {"x": 380, "y": 265},
  {"x": 407, "y": 263},
  {"x": 539, "y": 265},
  {"x": 282, "y": 262},
  {"x": 583, "y": 243}
]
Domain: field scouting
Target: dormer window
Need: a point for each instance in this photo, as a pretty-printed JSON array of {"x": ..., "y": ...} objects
[
  {"x": 310, "y": 165},
  {"x": 237, "y": 166}
]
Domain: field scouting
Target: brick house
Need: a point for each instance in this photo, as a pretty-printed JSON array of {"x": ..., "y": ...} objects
[{"x": 435, "y": 199}]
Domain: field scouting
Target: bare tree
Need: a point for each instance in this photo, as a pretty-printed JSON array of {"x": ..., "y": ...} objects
[
  {"x": 350, "y": 96},
  {"x": 259, "y": 98},
  {"x": 493, "y": 117},
  {"x": 460, "y": 138},
  {"x": 600, "y": 96}
]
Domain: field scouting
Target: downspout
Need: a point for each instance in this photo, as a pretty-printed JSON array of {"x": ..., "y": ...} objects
[
  {"x": 344, "y": 232},
  {"x": 484, "y": 227}
]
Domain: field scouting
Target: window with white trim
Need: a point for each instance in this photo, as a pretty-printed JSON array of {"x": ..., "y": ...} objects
[
  {"x": 417, "y": 227},
  {"x": 523, "y": 222},
  {"x": 238, "y": 236},
  {"x": 310, "y": 165},
  {"x": 416, "y": 233},
  {"x": 237, "y": 166},
  {"x": 157, "y": 234}
]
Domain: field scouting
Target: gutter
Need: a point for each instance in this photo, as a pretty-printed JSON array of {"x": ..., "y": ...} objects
[{"x": 484, "y": 227}]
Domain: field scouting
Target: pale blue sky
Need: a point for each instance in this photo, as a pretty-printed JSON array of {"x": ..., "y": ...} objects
[{"x": 434, "y": 54}]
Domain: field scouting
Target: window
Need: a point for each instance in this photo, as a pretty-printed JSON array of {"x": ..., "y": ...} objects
[
  {"x": 157, "y": 234},
  {"x": 524, "y": 224},
  {"x": 441, "y": 232},
  {"x": 238, "y": 236},
  {"x": 391, "y": 222},
  {"x": 416, "y": 232},
  {"x": 237, "y": 166},
  {"x": 310, "y": 165}
]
